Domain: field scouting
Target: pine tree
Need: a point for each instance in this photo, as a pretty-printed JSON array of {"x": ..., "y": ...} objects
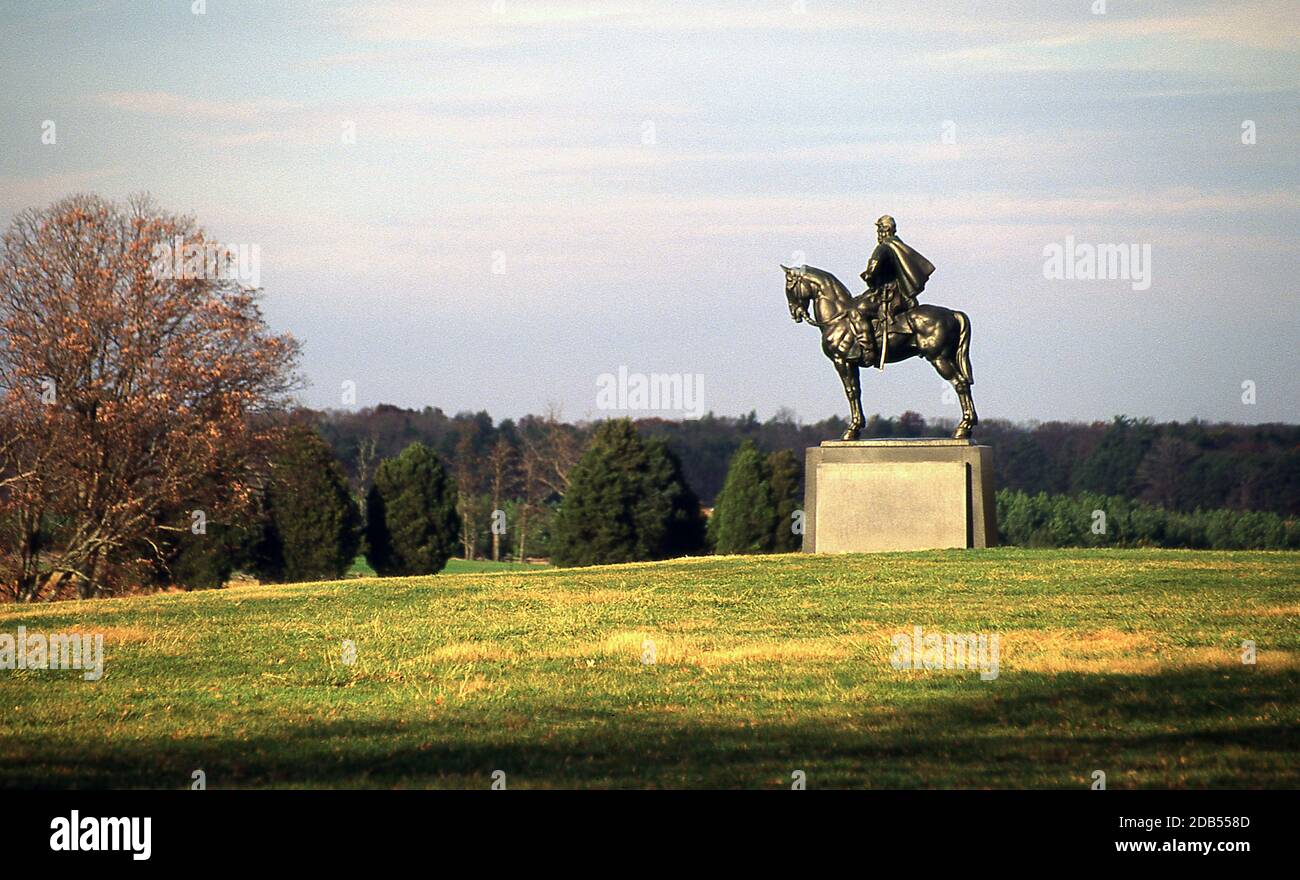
[
  {"x": 744, "y": 516},
  {"x": 311, "y": 530},
  {"x": 626, "y": 501},
  {"x": 412, "y": 526},
  {"x": 202, "y": 562},
  {"x": 787, "y": 497},
  {"x": 670, "y": 522},
  {"x": 1112, "y": 467}
]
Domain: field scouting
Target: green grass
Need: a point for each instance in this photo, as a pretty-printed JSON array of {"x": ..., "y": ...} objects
[
  {"x": 1122, "y": 661},
  {"x": 361, "y": 568},
  {"x": 465, "y": 566}
]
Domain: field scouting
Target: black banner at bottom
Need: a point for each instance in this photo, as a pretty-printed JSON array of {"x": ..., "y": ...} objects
[{"x": 332, "y": 829}]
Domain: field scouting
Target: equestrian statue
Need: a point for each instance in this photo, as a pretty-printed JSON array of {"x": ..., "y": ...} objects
[{"x": 884, "y": 324}]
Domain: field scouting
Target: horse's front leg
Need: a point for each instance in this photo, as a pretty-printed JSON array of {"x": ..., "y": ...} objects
[{"x": 853, "y": 391}]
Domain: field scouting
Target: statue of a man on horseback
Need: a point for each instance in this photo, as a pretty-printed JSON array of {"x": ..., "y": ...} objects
[
  {"x": 895, "y": 277},
  {"x": 884, "y": 324}
]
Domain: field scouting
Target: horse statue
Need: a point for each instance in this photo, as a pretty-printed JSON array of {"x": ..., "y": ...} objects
[{"x": 940, "y": 335}]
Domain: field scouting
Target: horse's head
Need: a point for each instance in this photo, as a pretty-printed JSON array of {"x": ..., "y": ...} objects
[
  {"x": 798, "y": 290},
  {"x": 814, "y": 295}
]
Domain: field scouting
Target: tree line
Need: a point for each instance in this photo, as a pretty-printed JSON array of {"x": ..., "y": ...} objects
[
  {"x": 1092, "y": 520},
  {"x": 1180, "y": 466},
  {"x": 149, "y": 437},
  {"x": 620, "y": 497}
]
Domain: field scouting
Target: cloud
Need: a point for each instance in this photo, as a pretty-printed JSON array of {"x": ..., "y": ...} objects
[
  {"x": 1266, "y": 24},
  {"x": 457, "y": 120},
  {"x": 176, "y": 106},
  {"x": 507, "y": 22},
  {"x": 615, "y": 238},
  {"x": 1208, "y": 41},
  {"x": 21, "y": 192},
  {"x": 1035, "y": 147}
]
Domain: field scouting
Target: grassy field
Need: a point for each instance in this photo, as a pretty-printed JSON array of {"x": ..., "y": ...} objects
[
  {"x": 361, "y": 568},
  {"x": 1127, "y": 662}
]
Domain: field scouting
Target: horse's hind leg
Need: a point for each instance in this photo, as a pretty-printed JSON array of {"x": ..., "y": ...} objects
[
  {"x": 853, "y": 391},
  {"x": 948, "y": 369}
]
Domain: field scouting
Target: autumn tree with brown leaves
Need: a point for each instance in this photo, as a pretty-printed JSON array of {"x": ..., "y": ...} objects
[{"x": 133, "y": 398}]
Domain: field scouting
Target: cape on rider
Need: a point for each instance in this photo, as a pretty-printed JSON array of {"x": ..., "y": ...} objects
[{"x": 895, "y": 276}]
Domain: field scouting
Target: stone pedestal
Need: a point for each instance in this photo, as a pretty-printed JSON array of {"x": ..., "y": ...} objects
[{"x": 921, "y": 494}]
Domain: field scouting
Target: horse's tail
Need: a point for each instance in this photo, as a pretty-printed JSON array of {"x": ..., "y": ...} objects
[{"x": 963, "y": 348}]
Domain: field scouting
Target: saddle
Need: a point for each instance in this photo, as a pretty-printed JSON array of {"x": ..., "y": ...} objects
[{"x": 854, "y": 333}]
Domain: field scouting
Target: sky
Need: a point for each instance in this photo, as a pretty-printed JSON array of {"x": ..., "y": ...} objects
[{"x": 483, "y": 205}]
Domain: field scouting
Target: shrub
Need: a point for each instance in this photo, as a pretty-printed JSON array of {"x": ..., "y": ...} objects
[
  {"x": 412, "y": 526},
  {"x": 744, "y": 517},
  {"x": 626, "y": 501},
  {"x": 787, "y": 497},
  {"x": 311, "y": 526},
  {"x": 1066, "y": 521}
]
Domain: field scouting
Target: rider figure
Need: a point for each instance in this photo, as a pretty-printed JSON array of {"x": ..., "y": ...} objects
[{"x": 895, "y": 276}]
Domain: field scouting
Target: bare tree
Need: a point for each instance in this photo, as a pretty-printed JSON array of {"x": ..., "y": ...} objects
[
  {"x": 366, "y": 455},
  {"x": 126, "y": 388},
  {"x": 556, "y": 452},
  {"x": 469, "y": 481},
  {"x": 530, "y": 468},
  {"x": 501, "y": 469}
]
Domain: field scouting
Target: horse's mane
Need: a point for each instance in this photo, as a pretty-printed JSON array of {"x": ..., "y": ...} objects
[{"x": 827, "y": 278}]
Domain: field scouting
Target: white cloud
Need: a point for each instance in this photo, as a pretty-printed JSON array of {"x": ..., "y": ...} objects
[
  {"x": 20, "y": 192},
  {"x": 177, "y": 106},
  {"x": 1267, "y": 24}
]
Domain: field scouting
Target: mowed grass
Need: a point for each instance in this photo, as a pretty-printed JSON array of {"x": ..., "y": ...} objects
[
  {"x": 361, "y": 568},
  {"x": 1123, "y": 661}
]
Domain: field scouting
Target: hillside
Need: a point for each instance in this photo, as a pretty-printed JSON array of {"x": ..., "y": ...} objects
[{"x": 1127, "y": 662}]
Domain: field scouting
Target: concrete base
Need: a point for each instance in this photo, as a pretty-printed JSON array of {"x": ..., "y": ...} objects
[{"x": 923, "y": 494}]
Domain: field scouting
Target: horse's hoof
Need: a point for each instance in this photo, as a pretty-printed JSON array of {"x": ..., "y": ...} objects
[
  {"x": 850, "y": 434},
  {"x": 962, "y": 433}
]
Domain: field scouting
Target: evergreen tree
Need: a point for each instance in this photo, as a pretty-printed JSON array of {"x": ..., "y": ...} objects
[
  {"x": 626, "y": 501},
  {"x": 1112, "y": 467},
  {"x": 669, "y": 522},
  {"x": 311, "y": 529},
  {"x": 1022, "y": 464},
  {"x": 200, "y": 549},
  {"x": 412, "y": 526},
  {"x": 743, "y": 519},
  {"x": 787, "y": 497},
  {"x": 202, "y": 562}
]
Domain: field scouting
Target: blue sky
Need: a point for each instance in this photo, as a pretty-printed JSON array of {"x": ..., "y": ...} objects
[{"x": 541, "y": 192}]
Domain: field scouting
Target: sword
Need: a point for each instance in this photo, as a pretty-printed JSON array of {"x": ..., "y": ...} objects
[{"x": 884, "y": 328}]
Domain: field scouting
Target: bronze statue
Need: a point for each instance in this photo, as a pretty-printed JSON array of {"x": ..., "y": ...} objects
[{"x": 884, "y": 324}]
